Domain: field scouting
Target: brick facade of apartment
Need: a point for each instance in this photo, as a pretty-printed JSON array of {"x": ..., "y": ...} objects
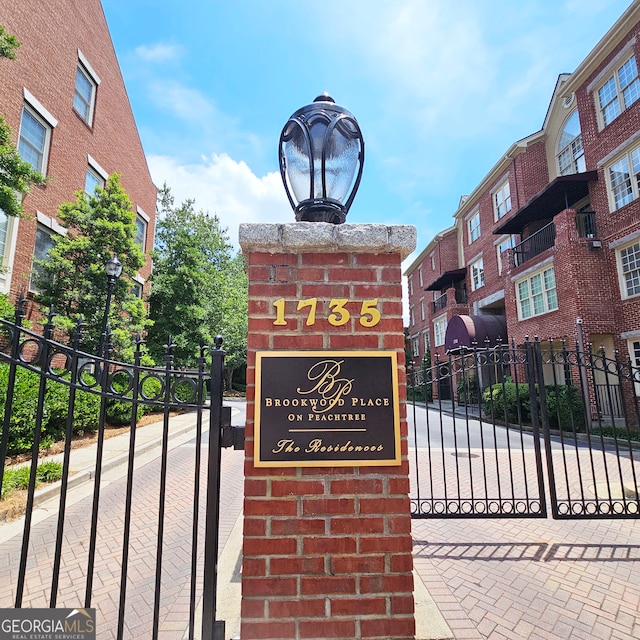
[
  {"x": 569, "y": 221},
  {"x": 60, "y": 40}
]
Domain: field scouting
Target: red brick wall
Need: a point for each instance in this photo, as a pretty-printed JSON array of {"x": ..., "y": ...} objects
[
  {"x": 51, "y": 34},
  {"x": 327, "y": 551}
]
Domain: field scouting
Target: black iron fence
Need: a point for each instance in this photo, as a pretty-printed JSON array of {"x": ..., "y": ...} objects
[
  {"x": 165, "y": 389},
  {"x": 494, "y": 426}
]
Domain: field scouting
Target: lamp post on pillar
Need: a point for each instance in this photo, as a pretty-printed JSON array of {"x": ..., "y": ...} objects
[
  {"x": 113, "y": 269},
  {"x": 321, "y": 159}
]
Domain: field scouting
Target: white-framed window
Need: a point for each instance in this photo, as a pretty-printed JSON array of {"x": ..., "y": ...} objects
[
  {"x": 422, "y": 316},
  {"x": 95, "y": 177},
  {"x": 628, "y": 259},
  {"x": 623, "y": 177},
  {"x": 92, "y": 181},
  {"x": 412, "y": 317},
  {"x": 506, "y": 243},
  {"x": 473, "y": 226},
  {"x": 570, "y": 149},
  {"x": 44, "y": 243},
  {"x": 537, "y": 294},
  {"x": 410, "y": 284},
  {"x": 427, "y": 341},
  {"x": 142, "y": 222},
  {"x": 433, "y": 262},
  {"x": 502, "y": 200},
  {"x": 618, "y": 92},
  {"x": 4, "y": 224},
  {"x": 137, "y": 287},
  {"x": 415, "y": 347},
  {"x": 420, "y": 277},
  {"x": 34, "y": 140},
  {"x": 84, "y": 94},
  {"x": 439, "y": 330},
  {"x": 476, "y": 269},
  {"x": 34, "y": 137}
]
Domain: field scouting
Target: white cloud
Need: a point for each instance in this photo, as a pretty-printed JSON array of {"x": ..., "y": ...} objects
[
  {"x": 158, "y": 52},
  {"x": 226, "y": 188}
]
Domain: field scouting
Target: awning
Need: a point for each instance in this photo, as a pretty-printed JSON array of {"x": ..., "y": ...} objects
[
  {"x": 554, "y": 198},
  {"x": 475, "y": 332},
  {"x": 447, "y": 279}
]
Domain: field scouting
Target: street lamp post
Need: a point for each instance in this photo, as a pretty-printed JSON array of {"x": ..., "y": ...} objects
[
  {"x": 113, "y": 269},
  {"x": 321, "y": 158}
]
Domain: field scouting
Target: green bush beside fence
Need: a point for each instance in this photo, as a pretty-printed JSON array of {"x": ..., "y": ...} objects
[{"x": 509, "y": 401}]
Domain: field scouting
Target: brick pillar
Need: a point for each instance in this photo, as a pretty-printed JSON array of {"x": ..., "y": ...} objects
[{"x": 327, "y": 549}]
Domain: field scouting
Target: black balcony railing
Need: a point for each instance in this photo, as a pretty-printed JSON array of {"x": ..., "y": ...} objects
[
  {"x": 535, "y": 244},
  {"x": 440, "y": 303},
  {"x": 461, "y": 296},
  {"x": 586, "y": 223}
]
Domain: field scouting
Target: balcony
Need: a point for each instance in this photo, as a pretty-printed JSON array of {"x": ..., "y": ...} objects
[
  {"x": 586, "y": 224},
  {"x": 535, "y": 244},
  {"x": 440, "y": 303}
]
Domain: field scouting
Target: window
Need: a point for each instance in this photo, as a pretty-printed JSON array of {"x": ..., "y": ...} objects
[
  {"x": 415, "y": 348},
  {"x": 624, "y": 179},
  {"x": 420, "y": 277},
  {"x": 3, "y": 234},
  {"x": 84, "y": 94},
  {"x": 439, "y": 330},
  {"x": 96, "y": 176},
  {"x": 629, "y": 269},
  {"x": 474, "y": 227},
  {"x": 33, "y": 143},
  {"x": 570, "y": 149},
  {"x": 422, "y": 309},
  {"x": 477, "y": 274},
  {"x": 141, "y": 232},
  {"x": 537, "y": 294},
  {"x": 411, "y": 285},
  {"x": 412, "y": 318},
  {"x": 427, "y": 342},
  {"x": 433, "y": 262},
  {"x": 502, "y": 200},
  {"x": 508, "y": 243},
  {"x": 44, "y": 242},
  {"x": 618, "y": 92},
  {"x": 136, "y": 289},
  {"x": 92, "y": 181}
]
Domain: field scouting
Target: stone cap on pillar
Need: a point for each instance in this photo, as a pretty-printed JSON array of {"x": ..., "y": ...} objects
[{"x": 316, "y": 237}]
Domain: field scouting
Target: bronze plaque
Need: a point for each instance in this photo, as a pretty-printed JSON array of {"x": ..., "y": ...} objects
[{"x": 326, "y": 408}]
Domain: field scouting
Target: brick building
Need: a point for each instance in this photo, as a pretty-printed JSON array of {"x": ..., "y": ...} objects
[
  {"x": 552, "y": 233},
  {"x": 65, "y": 100}
]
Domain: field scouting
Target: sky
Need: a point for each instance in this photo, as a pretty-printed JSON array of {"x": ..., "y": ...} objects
[{"x": 441, "y": 89}]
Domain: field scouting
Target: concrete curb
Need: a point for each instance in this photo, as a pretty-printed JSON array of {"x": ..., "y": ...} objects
[{"x": 52, "y": 490}]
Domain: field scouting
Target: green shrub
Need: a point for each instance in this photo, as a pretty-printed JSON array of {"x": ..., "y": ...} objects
[
  {"x": 23, "y": 411},
  {"x": 564, "y": 404},
  {"x": 468, "y": 390},
  {"x": 49, "y": 471},
  {"x": 18, "y": 477},
  {"x": 86, "y": 410},
  {"x": 566, "y": 408},
  {"x": 501, "y": 400}
]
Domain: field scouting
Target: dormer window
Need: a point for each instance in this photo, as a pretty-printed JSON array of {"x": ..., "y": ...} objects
[{"x": 570, "y": 150}]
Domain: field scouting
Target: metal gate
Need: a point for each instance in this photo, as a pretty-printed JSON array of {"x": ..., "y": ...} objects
[
  {"x": 525, "y": 427},
  {"x": 49, "y": 363}
]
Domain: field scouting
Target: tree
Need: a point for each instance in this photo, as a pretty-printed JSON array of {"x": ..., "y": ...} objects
[
  {"x": 16, "y": 176},
  {"x": 73, "y": 278},
  {"x": 198, "y": 288}
]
